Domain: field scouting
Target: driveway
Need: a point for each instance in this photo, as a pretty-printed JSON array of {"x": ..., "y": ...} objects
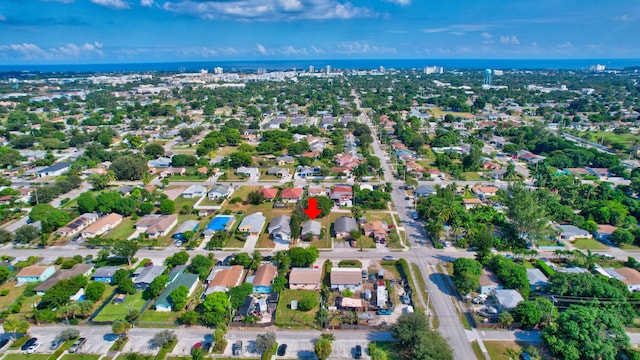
[{"x": 250, "y": 244}]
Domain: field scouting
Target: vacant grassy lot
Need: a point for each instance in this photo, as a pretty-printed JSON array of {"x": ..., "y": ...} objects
[
  {"x": 589, "y": 244},
  {"x": 158, "y": 318},
  {"x": 497, "y": 349},
  {"x": 26, "y": 356},
  {"x": 80, "y": 357},
  {"x": 123, "y": 230},
  {"x": 388, "y": 348},
  {"x": 119, "y": 311},
  {"x": 285, "y": 317}
]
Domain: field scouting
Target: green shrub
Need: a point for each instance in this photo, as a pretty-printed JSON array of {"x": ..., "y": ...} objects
[{"x": 546, "y": 269}]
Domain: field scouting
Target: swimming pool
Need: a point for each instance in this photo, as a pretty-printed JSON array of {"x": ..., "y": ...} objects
[{"x": 220, "y": 222}]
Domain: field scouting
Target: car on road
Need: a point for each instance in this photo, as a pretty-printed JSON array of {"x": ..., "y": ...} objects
[
  {"x": 4, "y": 342},
  {"x": 358, "y": 352},
  {"x": 77, "y": 345},
  {"x": 236, "y": 348},
  {"x": 282, "y": 350},
  {"x": 55, "y": 344},
  {"x": 384, "y": 312},
  {"x": 28, "y": 343},
  {"x": 388, "y": 258},
  {"x": 407, "y": 198}
]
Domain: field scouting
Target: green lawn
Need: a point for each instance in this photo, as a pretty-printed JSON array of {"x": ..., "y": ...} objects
[
  {"x": 80, "y": 357},
  {"x": 122, "y": 231},
  {"x": 26, "y": 356},
  {"x": 388, "y": 348},
  {"x": 285, "y": 317},
  {"x": 119, "y": 311},
  {"x": 158, "y": 318},
  {"x": 629, "y": 247},
  {"x": 187, "y": 178},
  {"x": 589, "y": 244},
  {"x": 472, "y": 176}
]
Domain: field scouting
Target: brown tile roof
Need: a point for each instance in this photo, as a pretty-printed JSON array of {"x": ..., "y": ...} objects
[
  {"x": 269, "y": 193},
  {"x": 346, "y": 276},
  {"x": 305, "y": 276},
  {"x": 606, "y": 229},
  {"x": 486, "y": 189},
  {"x": 230, "y": 277},
  {"x": 293, "y": 193},
  {"x": 77, "y": 269},
  {"x": 98, "y": 225},
  {"x": 33, "y": 270},
  {"x": 631, "y": 276},
  {"x": 264, "y": 275},
  {"x": 471, "y": 201}
]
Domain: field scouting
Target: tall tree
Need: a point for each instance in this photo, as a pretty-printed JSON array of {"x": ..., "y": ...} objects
[
  {"x": 126, "y": 249},
  {"x": 527, "y": 215}
]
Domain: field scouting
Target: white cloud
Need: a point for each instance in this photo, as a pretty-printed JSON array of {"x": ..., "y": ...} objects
[
  {"x": 112, "y": 4},
  {"x": 565, "y": 45},
  {"x": 261, "y": 49},
  {"x": 27, "y": 51},
  {"x": 291, "y": 50},
  {"x": 399, "y": 2},
  {"x": 512, "y": 40},
  {"x": 316, "y": 50},
  {"x": 486, "y": 35},
  {"x": 267, "y": 10},
  {"x": 356, "y": 47},
  {"x": 459, "y": 28},
  {"x": 147, "y": 3}
]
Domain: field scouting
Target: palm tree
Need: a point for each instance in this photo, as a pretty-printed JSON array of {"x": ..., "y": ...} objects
[{"x": 511, "y": 172}]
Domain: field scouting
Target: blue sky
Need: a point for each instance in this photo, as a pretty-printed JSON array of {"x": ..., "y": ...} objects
[{"x": 111, "y": 31}]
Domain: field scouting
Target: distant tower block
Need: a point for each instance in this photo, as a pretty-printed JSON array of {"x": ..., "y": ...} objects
[
  {"x": 311, "y": 69},
  {"x": 486, "y": 82},
  {"x": 328, "y": 69}
]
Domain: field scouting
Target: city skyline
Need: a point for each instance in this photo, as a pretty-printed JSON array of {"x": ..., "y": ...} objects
[{"x": 115, "y": 31}]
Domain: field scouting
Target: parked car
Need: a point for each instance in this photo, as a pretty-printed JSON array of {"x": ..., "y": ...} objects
[
  {"x": 358, "y": 352},
  {"x": 384, "y": 312},
  {"x": 405, "y": 299},
  {"x": 364, "y": 274},
  {"x": 282, "y": 350},
  {"x": 28, "y": 343},
  {"x": 55, "y": 344},
  {"x": 388, "y": 258},
  {"x": 4, "y": 342},
  {"x": 236, "y": 348},
  {"x": 77, "y": 345},
  {"x": 33, "y": 347},
  {"x": 206, "y": 347}
]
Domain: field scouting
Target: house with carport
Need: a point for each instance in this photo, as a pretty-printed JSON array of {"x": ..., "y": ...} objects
[
  {"x": 305, "y": 279},
  {"x": 34, "y": 273},
  {"x": 346, "y": 278}
]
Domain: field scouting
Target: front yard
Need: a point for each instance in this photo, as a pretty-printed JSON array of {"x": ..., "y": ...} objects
[
  {"x": 589, "y": 244},
  {"x": 112, "y": 311},
  {"x": 296, "y": 319}
]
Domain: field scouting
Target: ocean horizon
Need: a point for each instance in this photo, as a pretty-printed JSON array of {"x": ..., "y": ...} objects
[{"x": 319, "y": 65}]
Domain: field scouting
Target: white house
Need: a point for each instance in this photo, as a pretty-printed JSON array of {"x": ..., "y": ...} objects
[
  {"x": 346, "y": 278},
  {"x": 194, "y": 191},
  {"x": 55, "y": 169}
]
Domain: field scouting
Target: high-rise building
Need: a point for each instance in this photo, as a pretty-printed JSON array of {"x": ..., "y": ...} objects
[
  {"x": 311, "y": 69},
  {"x": 218, "y": 71},
  {"x": 433, "y": 70},
  {"x": 597, "y": 68},
  {"x": 328, "y": 69}
]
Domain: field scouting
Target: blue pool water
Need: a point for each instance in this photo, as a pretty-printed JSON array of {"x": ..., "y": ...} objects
[{"x": 219, "y": 222}]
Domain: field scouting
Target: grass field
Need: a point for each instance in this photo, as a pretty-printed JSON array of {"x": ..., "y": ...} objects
[
  {"x": 26, "y": 356},
  {"x": 624, "y": 139},
  {"x": 80, "y": 357},
  {"x": 119, "y": 311},
  {"x": 439, "y": 113},
  {"x": 123, "y": 230},
  {"x": 629, "y": 247},
  {"x": 296, "y": 319},
  {"x": 497, "y": 349},
  {"x": 188, "y": 178},
  {"x": 158, "y": 318},
  {"x": 388, "y": 348},
  {"x": 589, "y": 244},
  {"x": 472, "y": 176}
]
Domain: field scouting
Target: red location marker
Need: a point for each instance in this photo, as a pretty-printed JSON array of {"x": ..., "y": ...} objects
[{"x": 312, "y": 211}]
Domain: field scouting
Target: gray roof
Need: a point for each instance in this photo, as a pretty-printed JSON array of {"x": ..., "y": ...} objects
[
  {"x": 280, "y": 224},
  {"x": 188, "y": 225},
  {"x": 219, "y": 188},
  {"x": 255, "y": 221},
  {"x": 536, "y": 277},
  {"x": 185, "y": 279},
  {"x": 425, "y": 190},
  {"x": 149, "y": 273},
  {"x": 509, "y": 299},
  {"x": 571, "y": 230},
  {"x": 345, "y": 224},
  {"x": 56, "y": 167},
  {"x": 106, "y": 271},
  {"x": 311, "y": 227},
  {"x": 195, "y": 189}
]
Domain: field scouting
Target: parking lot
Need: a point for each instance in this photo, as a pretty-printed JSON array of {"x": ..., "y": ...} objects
[{"x": 99, "y": 339}]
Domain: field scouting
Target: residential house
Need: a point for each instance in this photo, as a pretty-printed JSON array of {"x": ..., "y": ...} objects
[
  {"x": 63, "y": 274},
  {"x": 156, "y": 225},
  {"x": 263, "y": 278},
  {"x": 537, "y": 280},
  {"x": 172, "y": 171},
  {"x": 343, "y": 227},
  {"x": 317, "y": 191},
  {"x": 250, "y": 172},
  {"x": 327, "y": 122},
  {"x": 495, "y": 174},
  {"x": 488, "y": 282},
  {"x": 190, "y": 281},
  {"x": 34, "y": 273},
  {"x": 484, "y": 192},
  {"x": 424, "y": 191},
  {"x": 125, "y": 190},
  {"x": 601, "y": 173},
  {"x": 278, "y": 171},
  {"x": 280, "y": 229},
  {"x": 268, "y": 193},
  {"x": 77, "y": 224},
  {"x": 604, "y": 232},
  {"x": 630, "y": 277},
  {"x": 194, "y": 191},
  {"x": 311, "y": 228},
  {"x": 377, "y": 230},
  {"x": 308, "y": 171},
  {"x": 291, "y": 195},
  {"x": 223, "y": 278},
  {"x": 571, "y": 232},
  {"x": 507, "y": 299},
  {"x": 342, "y": 195},
  {"x": 105, "y": 274},
  {"x": 285, "y": 159},
  {"x": 298, "y": 121},
  {"x": 346, "y": 278},
  {"x": 101, "y": 226},
  {"x": 56, "y": 169},
  {"x": 219, "y": 191},
  {"x": 162, "y": 162},
  {"x": 252, "y": 224},
  {"x": 188, "y": 225},
  {"x": 470, "y": 203},
  {"x": 25, "y": 194},
  {"x": 351, "y": 304},
  {"x": 147, "y": 275},
  {"x": 305, "y": 279}
]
